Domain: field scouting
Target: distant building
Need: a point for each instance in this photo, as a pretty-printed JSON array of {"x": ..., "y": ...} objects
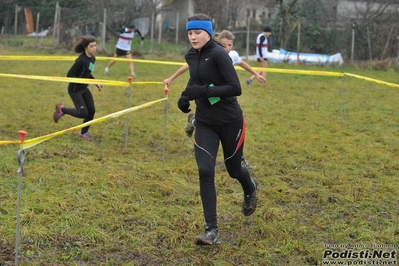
[
  {"x": 176, "y": 11},
  {"x": 355, "y": 9},
  {"x": 339, "y": 11},
  {"x": 259, "y": 12},
  {"x": 179, "y": 10}
]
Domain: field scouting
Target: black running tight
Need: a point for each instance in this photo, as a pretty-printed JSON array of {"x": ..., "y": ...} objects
[
  {"x": 207, "y": 139},
  {"x": 84, "y": 107}
]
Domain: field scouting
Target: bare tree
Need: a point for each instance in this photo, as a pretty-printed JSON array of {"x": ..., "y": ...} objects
[
  {"x": 6, "y": 13},
  {"x": 231, "y": 12},
  {"x": 123, "y": 12},
  {"x": 376, "y": 27},
  {"x": 371, "y": 10},
  {"x": 214, "y": 9},
  {"x": 287, "y": 13}
]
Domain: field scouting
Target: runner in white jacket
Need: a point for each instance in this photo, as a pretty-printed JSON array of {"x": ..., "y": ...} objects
[
  {"x": 262, "y": 48},
  {"x": 124, "y": 46}
]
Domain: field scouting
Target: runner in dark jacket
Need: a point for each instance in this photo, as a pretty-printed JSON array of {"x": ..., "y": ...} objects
[
  {"x": 214, "y": 85},
  {"x": 205, "y": 67},
  {"x": 79, "y": 92}
]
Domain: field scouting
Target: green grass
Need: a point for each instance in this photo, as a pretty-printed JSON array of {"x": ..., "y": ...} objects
[{"x": 325, "y": 152}]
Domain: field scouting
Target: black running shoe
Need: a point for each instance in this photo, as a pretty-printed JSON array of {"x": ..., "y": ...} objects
[
  {"x": 250, "y": 201},
  {"x": 190, "y": 125}
]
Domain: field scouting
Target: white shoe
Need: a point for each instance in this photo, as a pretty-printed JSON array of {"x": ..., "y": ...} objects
[
  {"x": 133, "y": 74},
  {"x": 106, "y": 70}
]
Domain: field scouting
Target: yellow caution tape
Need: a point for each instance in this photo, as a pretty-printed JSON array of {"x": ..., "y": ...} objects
[
  {"x": 295, "y": 71},
  {"x": 32, "y": 142},
  {"x": 373, "y": 80},
  {"x": 5, "y": 142},
  {"x": 79, "y": 80},
  {"x": 118, "y": 83},
  {"x": 37, "y": 57},
  {"x": 65, "y": 79},
  {"x": 141, "y": 61},
  {"x": 147, "y": 82},
  {"x": 72, "y": 58}
]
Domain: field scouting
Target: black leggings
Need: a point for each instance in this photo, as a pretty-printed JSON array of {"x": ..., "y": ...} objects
[
  {"x": 84, "y": 107},
  {"x": 206, "y": 146}
]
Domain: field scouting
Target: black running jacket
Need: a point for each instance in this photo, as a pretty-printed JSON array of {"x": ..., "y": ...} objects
[
  {"x": 212, "y": 66},
  {"x": 82, "y": 68}
]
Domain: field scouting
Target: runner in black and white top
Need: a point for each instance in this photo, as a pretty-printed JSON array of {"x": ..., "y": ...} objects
[
  {"x": 261, "y": 51},
  {"x": 124, "y": 46}
]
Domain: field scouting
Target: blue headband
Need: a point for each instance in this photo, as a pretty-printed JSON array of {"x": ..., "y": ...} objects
[{"x": 205, "y": 25}]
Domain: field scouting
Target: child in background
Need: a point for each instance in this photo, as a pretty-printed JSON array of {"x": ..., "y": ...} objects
[{"x": 80, "y": 93}]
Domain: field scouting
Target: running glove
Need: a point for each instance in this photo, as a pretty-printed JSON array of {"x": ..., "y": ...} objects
[
  {"x": 184, "y": 103},
  {"x": 196, "y": 91}
]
